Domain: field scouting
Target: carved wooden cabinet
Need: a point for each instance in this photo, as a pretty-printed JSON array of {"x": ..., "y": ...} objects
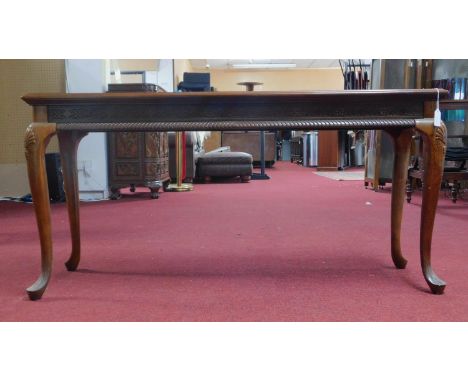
[{"x": 136, "y": 158}]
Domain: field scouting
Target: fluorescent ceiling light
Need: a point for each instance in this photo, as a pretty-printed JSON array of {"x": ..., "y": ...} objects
[{"x": 263, "y": 66}]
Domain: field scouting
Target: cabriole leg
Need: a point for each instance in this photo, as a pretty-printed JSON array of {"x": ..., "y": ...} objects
[
  {"x": 402, "y": 144},
  {"x": 434, "y": 141},
  {"x": 36, "y": 139},
  {"x": 68, "y": 143}
]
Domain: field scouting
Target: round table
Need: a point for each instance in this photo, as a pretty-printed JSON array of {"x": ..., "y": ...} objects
[{"x": 250, "y": 85}]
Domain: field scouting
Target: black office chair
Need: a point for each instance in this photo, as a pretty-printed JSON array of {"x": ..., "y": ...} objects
[{"x": 195, "y": 82}]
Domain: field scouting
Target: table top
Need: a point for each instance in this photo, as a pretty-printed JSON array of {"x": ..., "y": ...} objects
[
  {"x": 454, "y": 104},
  {"x": 35, "y": 99},
  {"x": 203, "y": 111}
]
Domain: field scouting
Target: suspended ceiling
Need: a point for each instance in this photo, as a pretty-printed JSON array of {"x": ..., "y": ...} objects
[{"x": 228, "y": 63}]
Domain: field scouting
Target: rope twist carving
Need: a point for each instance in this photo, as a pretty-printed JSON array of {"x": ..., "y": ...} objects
[{"x": 365, "y": 124}]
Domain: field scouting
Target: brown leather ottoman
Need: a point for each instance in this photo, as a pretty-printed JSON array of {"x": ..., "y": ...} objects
[{"x": 226, "y": 164}]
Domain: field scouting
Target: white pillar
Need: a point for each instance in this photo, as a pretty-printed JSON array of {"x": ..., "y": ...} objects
[{"x": 89, "y": 76}]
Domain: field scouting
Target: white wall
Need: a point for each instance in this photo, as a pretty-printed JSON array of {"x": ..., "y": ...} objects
[
  {"x": 92, "y": 76},
  {"x": 89, "y": 76},
  {"x": 163, "y": 77},
  {"x": 166, "y": 75}
]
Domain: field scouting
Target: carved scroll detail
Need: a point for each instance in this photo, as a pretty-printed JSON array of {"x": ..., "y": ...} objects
[
  {"x": 30, "y": 140},
  {"x": 440, "y": 139}
]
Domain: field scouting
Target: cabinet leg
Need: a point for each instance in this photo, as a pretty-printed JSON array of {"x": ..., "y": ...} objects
[
  {"x": 434, "y": 145},
  {"x": 115, "y": 193},
  {"x": 154, "y": 187},
  {"x": 154, "y": 192},
  {"x": 36, "y": 139},
  {"x": 454, "y": 191},
  {"x": 409, "y": 189},
  {"x": 402, "y": 144},
  {"x": 68, "y": 143}
]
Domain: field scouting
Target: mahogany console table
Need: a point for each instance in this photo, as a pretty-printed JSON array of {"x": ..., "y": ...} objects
[{"x": 72, "y": 116}]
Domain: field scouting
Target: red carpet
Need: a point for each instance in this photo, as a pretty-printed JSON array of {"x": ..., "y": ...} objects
[{"x": 298, "y": 247}]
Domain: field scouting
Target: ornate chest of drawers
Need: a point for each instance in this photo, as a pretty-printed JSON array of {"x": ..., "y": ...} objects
[{"x": 137, "y": 158}]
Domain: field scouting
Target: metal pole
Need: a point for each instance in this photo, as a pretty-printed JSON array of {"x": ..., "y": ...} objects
[
  {"x": 262, "y": 152},
  {"x": 262, "y": 176},
  {"x": 179, "y": 186}
]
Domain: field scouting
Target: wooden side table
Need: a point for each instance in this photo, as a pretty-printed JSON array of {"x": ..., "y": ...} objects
[{"x": 72, "y": 116}]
